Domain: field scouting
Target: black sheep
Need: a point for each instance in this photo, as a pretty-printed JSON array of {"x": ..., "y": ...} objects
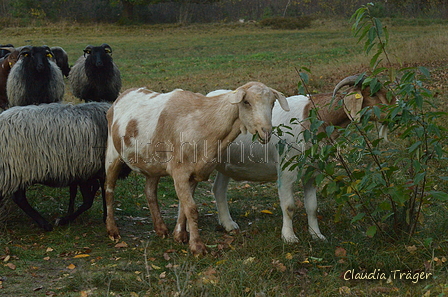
[{"x": 95, "y": 77}]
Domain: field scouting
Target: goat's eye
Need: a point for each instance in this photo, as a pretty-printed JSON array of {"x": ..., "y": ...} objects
[
  {"x": 49, "y": 55},
  {"x": 87, "y": 51},
  {"x": 246, "y": 102},
  {"x": 108, "y": 51}
]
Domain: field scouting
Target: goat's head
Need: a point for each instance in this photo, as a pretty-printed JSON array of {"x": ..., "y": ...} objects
[
  {"x": 356, "y": 97},
  {"x": 98, "y": 56},
  {"x": 255, "y": 102},
  {"x": 5, "y": 49},
  {"x": 37, "y": 57},
  {"x": 10, "y": 58}
]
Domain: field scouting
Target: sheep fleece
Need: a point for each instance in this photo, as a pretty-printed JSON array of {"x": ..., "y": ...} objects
[{"x": 52, "y": 144}]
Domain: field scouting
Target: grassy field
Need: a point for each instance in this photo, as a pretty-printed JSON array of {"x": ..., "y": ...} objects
[{"x": 79, "y": 259}]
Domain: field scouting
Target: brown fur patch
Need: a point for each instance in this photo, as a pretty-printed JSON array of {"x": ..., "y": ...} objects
[{"x": 131, "y": 132}]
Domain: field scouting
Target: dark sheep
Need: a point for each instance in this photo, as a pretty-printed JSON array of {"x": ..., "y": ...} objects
[
  {"x": 95, "y": 77},
  {"x": 61, "y": 59},
  {"x": 35, "y": 78},
  {"x": 56, "y": 145}
]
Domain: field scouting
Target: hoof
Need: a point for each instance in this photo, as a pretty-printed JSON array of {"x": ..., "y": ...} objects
[
  {"x": 198, "y": 249},
  {"x": 181, "y": 236}
]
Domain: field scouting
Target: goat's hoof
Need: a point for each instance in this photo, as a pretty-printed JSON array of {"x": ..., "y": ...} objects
[
  {"x": 318, "y": 237},
  {"x": 198, "y": 249},
  {"x": 290, "y": 239},
  {"x": 181, "y": 236},
  {"x": 162, "y": 232}
]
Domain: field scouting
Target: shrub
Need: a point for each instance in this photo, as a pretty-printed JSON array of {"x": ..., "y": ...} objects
[
  {"x": 286, "y": 23},
  {"x": 387, "y": 188}
]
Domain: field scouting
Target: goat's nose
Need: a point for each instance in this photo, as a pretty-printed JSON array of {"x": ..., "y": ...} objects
[{"x": 267, "y": 131}]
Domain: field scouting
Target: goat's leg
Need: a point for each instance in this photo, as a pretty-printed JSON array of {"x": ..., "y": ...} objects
[
  {"x": 220, "y": 193},
  {"x": 88, "y": 191},
  {"x": 153, "y": 204},
  {"x": 285, "y": 184},
  {"x": 112, "y": 172},
  {"x": 19, "y": 198},
  {"x": 180, "y": 233},
  {"x": 310, "y": 202},
  {"x": 185, "y": 186}
]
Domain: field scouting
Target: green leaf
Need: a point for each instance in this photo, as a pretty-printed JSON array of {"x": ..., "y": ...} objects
[
  {"x": 371, "y": 231},
  {"x": 358, "y": 217},
  {"x": 439, "y": 195},
  {"x": 413, "y": 147}
]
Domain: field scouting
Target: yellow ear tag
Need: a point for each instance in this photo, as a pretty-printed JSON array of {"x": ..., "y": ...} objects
[{"x": 358, "y": 96}]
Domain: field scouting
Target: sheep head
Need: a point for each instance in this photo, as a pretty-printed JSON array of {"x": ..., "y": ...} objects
[
  {"x": 36, "y": 56},
  {"x": 255, "y": 102},
  {"x": 98, "y": 56}
]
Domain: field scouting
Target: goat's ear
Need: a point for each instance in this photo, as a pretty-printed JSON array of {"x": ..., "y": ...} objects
[
  {"x": 281, "y": 99},
  {"x": 353, "y": 105},
  {"x": 236, "y": 96}
]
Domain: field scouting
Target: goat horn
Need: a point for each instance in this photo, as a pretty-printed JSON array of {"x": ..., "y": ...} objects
[
  {"x": 10, "y": 49},
  {"x": 350, "y": 80}
]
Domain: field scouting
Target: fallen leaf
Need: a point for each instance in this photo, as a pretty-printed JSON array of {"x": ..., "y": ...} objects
[
  {"x": 340, "y": 252},
  {"x": 49, "y": 250},
  {"x": 411, "y": 249},
  {"x": 71, "y": 266},
  {"x": 7, "y": 258},
  {"x": 121, "y": 245},
  {"x": 278, "y": 265},
  {"x": 82, "y": 256},
  {"x": 288, "y": 256},
  {"x": 46, "y": 258},
  {"x": 249, "y": 260},
  {"x": 345, "y": 290},
  {"x": 266, "y": 211},
  {"x": 155, "y": 267},
  {"x": 11, "y": 266},
  {"x": 162, "y": 275}
]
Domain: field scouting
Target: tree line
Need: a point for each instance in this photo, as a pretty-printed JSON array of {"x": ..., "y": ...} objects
[{"x": 203, "y": 11}]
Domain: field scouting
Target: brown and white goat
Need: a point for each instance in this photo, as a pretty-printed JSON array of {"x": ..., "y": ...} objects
[
  {"x": 250, "y": 161},
  {"x": 181, "y": 134}
]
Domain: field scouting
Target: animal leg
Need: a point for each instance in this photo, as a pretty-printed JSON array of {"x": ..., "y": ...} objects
[
  {"x": 71, "y": 203},
  {"x": 220, "y": 193},
  {"x": 185, "y": 186},
  {"x": 112, "y": 172},
  {"x": 285, "y": 183},
  {"x": 88, "y": 191},
  {"x": 151, "y": 196},
  {"x": 311, "y": 209},
  {"x": 19, "y": 198}
]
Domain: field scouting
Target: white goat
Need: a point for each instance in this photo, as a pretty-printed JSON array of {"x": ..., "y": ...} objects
[
  {"x": 251, "y": 161},
  {"x": 181, "y": 134}
]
